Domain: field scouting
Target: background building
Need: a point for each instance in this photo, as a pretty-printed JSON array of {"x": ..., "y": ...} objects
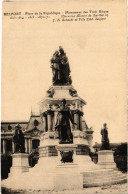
[{"x": 31, "y": 134}]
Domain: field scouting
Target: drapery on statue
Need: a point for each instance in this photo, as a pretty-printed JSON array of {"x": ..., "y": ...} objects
[
  {"x": 60, "y": 68},
  {"x": 18, "y": 139},
  {"x": 105, "y": 140},
  {"x": 63, "y": 124}
]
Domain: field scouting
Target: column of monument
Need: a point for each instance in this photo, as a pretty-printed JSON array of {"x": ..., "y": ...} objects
[
  {"x": 80, "y": 115},
  {"x": 13, "y": 147},
  {"x": 90, "y": 138},
  {"x": 30, "y": 145},
  {"x": 54, "y": 117},
  {"x": 53, "y": 121},
  {"x": 49, "y": 120},
  {"x": 44, "y": 117},
  {"x": 4, "y": 146},
  {"x": 26, "y": 145},
  {"x": 78, "y": 119}
]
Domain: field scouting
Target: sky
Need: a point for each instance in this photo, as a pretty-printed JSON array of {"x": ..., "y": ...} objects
[{"x": 97, "y": 58}]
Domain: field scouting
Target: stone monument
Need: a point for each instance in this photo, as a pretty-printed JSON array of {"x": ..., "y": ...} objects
[
  {"x": 64, "y": 162},
  {"x": 62, "y": 112},
  {"x": 66, "y": 140},
  {"x": 105, "y": 155},
  {"x": 19, "y": 158}
]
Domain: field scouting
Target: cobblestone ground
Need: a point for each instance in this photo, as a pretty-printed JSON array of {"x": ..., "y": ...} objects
[{"x": 117, "y": 189}]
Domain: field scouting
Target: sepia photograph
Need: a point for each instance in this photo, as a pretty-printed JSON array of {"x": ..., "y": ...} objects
[{"x": 64, "y": 97}]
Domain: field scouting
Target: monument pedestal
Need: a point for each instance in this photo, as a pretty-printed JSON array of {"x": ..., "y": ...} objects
[
  {"x": 66, "y": 153},
  {"x": 106, "y": 160},
  {"x": 19, "y": 164},
  {"x": 67, "y": 171},
  {"x": 63, "y": 166},
  {"x": 68, "y": 180}
]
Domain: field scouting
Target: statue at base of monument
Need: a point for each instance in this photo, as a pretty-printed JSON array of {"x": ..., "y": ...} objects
[
  {"x": 18, "y": 139},
  {"x": 60, "y": 68},
  {"x": 63, "y": 124},
  {"x": 105, "y": 140}
]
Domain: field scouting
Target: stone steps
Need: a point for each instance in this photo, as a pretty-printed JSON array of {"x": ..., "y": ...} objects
[
  {"x": 100, "y": 173},
  {"x": 103, "y": 183},
  {"x": 85, "y": 179},
  {"x": 96, "y": 174},
  {"x": 104, "y": 180}
]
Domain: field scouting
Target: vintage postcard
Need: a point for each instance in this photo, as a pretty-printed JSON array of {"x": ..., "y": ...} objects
[{"x": 64, "y": 103}]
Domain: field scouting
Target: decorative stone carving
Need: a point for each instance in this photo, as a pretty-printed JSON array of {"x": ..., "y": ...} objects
[
  {"x": 66, "y": 156},
  {"x": 36, "y": 123},
  {"x": 78, "y": 112},
  {"x": 35, "y": 132},
  {"x": 73, "y": 93},
  {"x": 50, "y": 93},
  {"x": 49, "y": 106}
]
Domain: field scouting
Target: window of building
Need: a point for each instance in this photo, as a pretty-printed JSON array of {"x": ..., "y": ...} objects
[{"x": 9, "y": 127}]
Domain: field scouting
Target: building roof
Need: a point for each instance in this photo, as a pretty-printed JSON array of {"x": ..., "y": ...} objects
[
  {"x": 8, "y": 126},
  {"x": 31, "y": 124}
]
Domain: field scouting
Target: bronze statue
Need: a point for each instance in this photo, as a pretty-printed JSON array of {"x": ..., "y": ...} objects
[
  {"x": 56, "y": 69},
  {"x": 60, "y": 68},
  {"x": 66, "y": 156},
  {"x": 105, "y": 140},
  {"x": 63, "y": 124},
  {"x": 19, "y": 140}
]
